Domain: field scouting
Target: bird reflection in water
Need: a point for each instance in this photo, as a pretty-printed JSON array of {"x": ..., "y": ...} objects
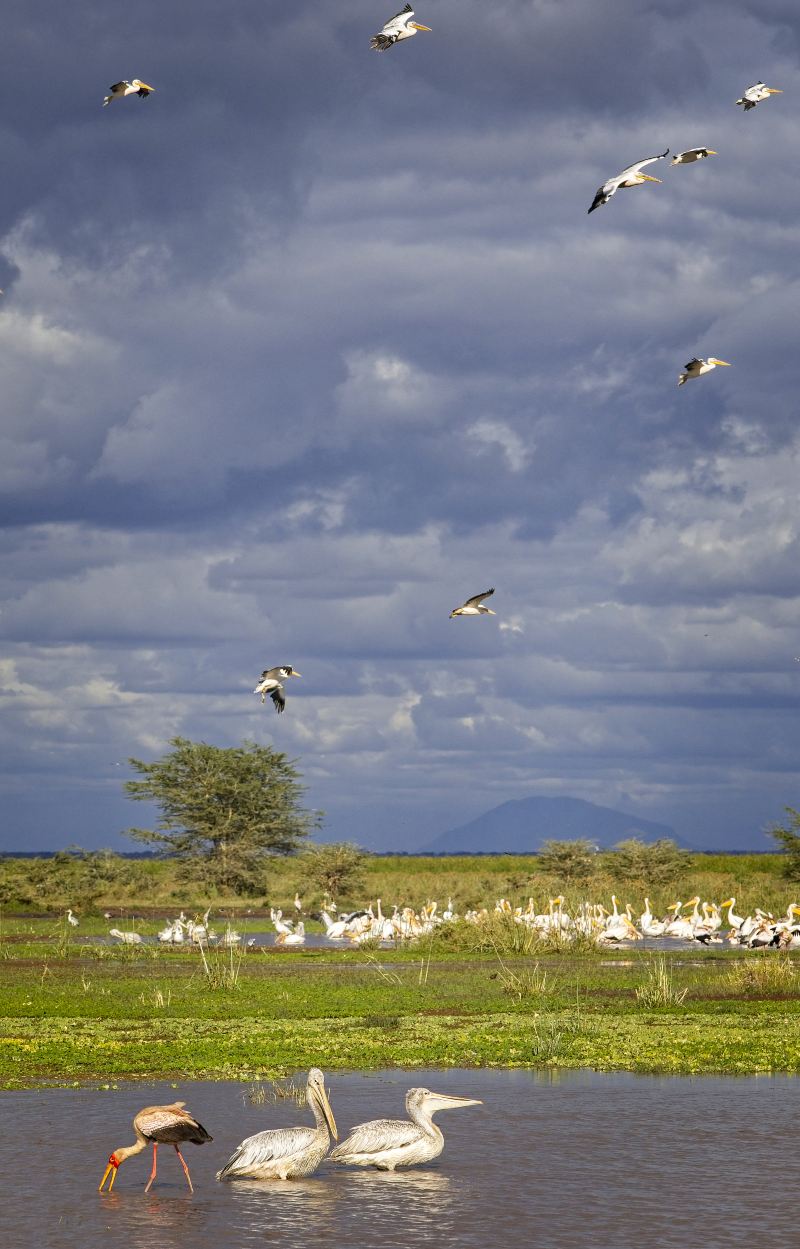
[{"x": 163, "y": 1220}]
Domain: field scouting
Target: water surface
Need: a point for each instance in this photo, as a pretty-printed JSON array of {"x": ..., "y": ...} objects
[{"x": 577, "y": 1160}]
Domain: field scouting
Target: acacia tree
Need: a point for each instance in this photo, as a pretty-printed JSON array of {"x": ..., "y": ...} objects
[
  {"x": 659, "y": 863},
  {"x": 334, "y": 869},
  {"x": 224, "y": 811},
  {"x": 568, "y": 860},
  {"x": 788, "y": 838}
]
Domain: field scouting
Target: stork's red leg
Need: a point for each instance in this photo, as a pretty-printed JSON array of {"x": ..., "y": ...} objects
[
  {"x": 185, "y": 1169},
  {"x": 153, "y": 1172}
]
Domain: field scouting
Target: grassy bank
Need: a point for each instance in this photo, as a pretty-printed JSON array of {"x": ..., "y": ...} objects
[{"x": 96, "y": 1013}]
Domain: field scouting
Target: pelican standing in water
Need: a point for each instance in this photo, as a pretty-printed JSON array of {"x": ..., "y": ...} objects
[
  {"x": 390, "y": 1143},
  {"x": 271, "y": 683},
  {"x": 401, "y": 26},
  {"x": 697, "y": 367},
  {"x": 133, "y": 87},
  {"x": 474, "y": 606},
  {"x": 158, "y": 1125},
  {"x": 286, "y": 1153},
  {"x": 692, "y": 154},
  {"x": 755, "y": 94},
  {"x": 632, "y": 176}
]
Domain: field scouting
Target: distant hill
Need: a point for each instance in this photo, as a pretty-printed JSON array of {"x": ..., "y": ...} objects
[{"x": 520, "y": 827}]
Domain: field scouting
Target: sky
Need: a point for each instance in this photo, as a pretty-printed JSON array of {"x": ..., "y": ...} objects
[{"x": 314, "y": 342}]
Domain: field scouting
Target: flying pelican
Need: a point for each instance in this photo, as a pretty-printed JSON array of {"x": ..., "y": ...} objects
[
  {"x": 72, "y": 920},
  {"x": 390, "y": 1143},
  {"x": 271, "y": 683},
  {"x": 133, "y": 87},
  {"x": 474, "y": 606},
  {"x": 286, "y": 1153},
  {"x": 697, "y": 367},
  {"x": 632, "y": 176},
  {"x": 398, "y": 27},
  {"x": 128, "y": 938},
  {"x": 161, "y": 1125},
  {"x": 692, "y": 154},
  {"x": 755, "y": 94}
]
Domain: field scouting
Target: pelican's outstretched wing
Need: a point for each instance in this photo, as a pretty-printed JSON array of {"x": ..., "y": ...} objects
[
  {"x": 477, "y": 599},
  {"x": 392, "y": 30},
  {"x": 640, "y": 164},
  {"x": 279, "y": 698}
]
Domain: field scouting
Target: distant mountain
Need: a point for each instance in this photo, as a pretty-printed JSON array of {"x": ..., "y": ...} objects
[{"x": 520, "y": 827}]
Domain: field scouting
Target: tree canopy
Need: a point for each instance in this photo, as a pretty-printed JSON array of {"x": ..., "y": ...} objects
[
  {"x": 224, "y": 811},
  {"x": 333, "y": 869},
  {"x": 788, "y": 838}
]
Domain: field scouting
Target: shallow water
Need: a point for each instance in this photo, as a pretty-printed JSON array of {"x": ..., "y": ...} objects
[{"x": 576, "y": 1160}]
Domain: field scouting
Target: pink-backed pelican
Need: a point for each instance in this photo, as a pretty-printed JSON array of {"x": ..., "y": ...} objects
[
  {"x": 133, "y": 87},
  {"x": 390, "y": 1143},
  {"x": 691, "y": 155},
  {"x": 401, "y": 26},
  {"x": 271, "y": 682},
  {"x": 697, "y": 367},
  {"x": 755, "y": 94},
  {"x": 474, "y": 606},
  {"x": 286, "y": 1153},
  {"x": 632, "y": 176}
]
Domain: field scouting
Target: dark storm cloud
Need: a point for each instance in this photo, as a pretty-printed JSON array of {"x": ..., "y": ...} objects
[{"x": 312, "y": 343}]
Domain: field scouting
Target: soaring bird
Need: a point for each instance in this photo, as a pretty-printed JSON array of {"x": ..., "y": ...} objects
[
  {"x": 755, "y": 94},
  {"x": 692, "y": 154},
  {"x": 390, "y": 1143},
  {"x": 159, "y": 1125},
  {"x": 697, "y": 367},
  {"x": 286, "y": 1153},
  {"x": 474, "y": 606},
  {"x": 632, "y": 176},
  {"x": 401, "y": 26},
  {"x": 121, "y": 89},
  {"x": 271, "y": 683}
]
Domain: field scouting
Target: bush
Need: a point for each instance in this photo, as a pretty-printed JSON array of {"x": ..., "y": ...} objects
[
  {"x": 568, "y": 860},
  {"x": 658, "y": 864},
  {"x": 333, "y": 870},
  {"x": 789, "y": 840}
]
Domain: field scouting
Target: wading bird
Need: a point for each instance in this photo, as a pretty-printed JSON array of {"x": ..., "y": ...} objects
[
  {"x": 72, "y": 920},
  {"x": 474, "y": 606},
  {"x": 755, "y": 94},
  {"x": 286, "y": 1153},
  {"x": 271, "y": 683},
  {"x": 401, "y": 26},
  {"x": 697, "y": 367},
  {"x": 692, "y": 154},
  {"x": 129, "y": 938},
  {"x": 390, "y": 1143},
  {"x": 632, "y": 176},
  {"x": 158, "y": 1125},
  {"x": 133, "y": 87}
]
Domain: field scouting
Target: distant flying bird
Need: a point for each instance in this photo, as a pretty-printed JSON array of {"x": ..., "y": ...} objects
[
  {"x": 158, "y": 1125},
  {"x": 692, "y": 154},
  {"x": 134, "y": 87},
  {"x": 401, "y": 26},
  {"x": 286, "y": 1153},
  {"x": 755, "y": 94},
  {"x": 474, "y": 606},
  {"x": 632, "y": 176},
  {"x": 271, "y": 683},
  {"x": 697, "y": 367},
  {"x": 390, "y": 1143}
]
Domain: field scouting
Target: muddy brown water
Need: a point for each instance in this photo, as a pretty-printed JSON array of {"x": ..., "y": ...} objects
[{"x": 577, "y": 1160}]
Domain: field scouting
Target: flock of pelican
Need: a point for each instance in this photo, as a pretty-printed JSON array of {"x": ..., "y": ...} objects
[{"x": 291, "y": 1153}]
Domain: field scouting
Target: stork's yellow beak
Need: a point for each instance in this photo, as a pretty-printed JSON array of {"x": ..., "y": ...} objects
[
  {"x": 417, "y": 26},
  {"x": 113, "y": 1170}
]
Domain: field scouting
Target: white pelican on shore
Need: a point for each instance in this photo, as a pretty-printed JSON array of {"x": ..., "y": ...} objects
[
  {"x": 271, "y": 682},
  {"x": 474, "y": 606},
  {"x": 134, "y": 86},
  {"x": 697, "y": 367},
  {"x": 632, "y": 176},
  {"x": 755, "y": 94},
  {"x": 692, "y": 154},
  {"x": 401, "y": 26},
  {"x": 286, "y": 1153},
  {"x": 390, "y": 1143},
  {"x": 128, "y": 938}
]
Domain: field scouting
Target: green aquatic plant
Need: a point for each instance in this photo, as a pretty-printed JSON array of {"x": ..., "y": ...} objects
[
  {"x": 659, "y": 986},
  {"x": 767, "y": 972}
]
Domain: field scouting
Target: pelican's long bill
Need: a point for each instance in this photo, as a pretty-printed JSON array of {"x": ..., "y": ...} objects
[
  {"x": 448, "y": 1101},
  {"x": 325, "y": 1106},
  {"x": 112, "y": 1168}
]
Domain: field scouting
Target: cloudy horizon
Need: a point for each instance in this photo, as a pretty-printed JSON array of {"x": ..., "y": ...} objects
[{"x": 313, "y": 343}]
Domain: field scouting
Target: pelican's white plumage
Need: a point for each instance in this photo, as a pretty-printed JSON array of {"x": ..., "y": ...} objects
[
  {"x": 692, "y": 154},
  {"x": 286, "y": 1153},
  {"x": 271, "y": 682},
  {"x": 390, "y": 1143},
  {"x": 401, "y": 26},
  {"x": 697, "y": 367},
  {"x": 632, "y": 176},
  {"x": 474, "y": 606},
  {"x": 134, "y": 86},
  {"x": 755, "y": 94}
]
